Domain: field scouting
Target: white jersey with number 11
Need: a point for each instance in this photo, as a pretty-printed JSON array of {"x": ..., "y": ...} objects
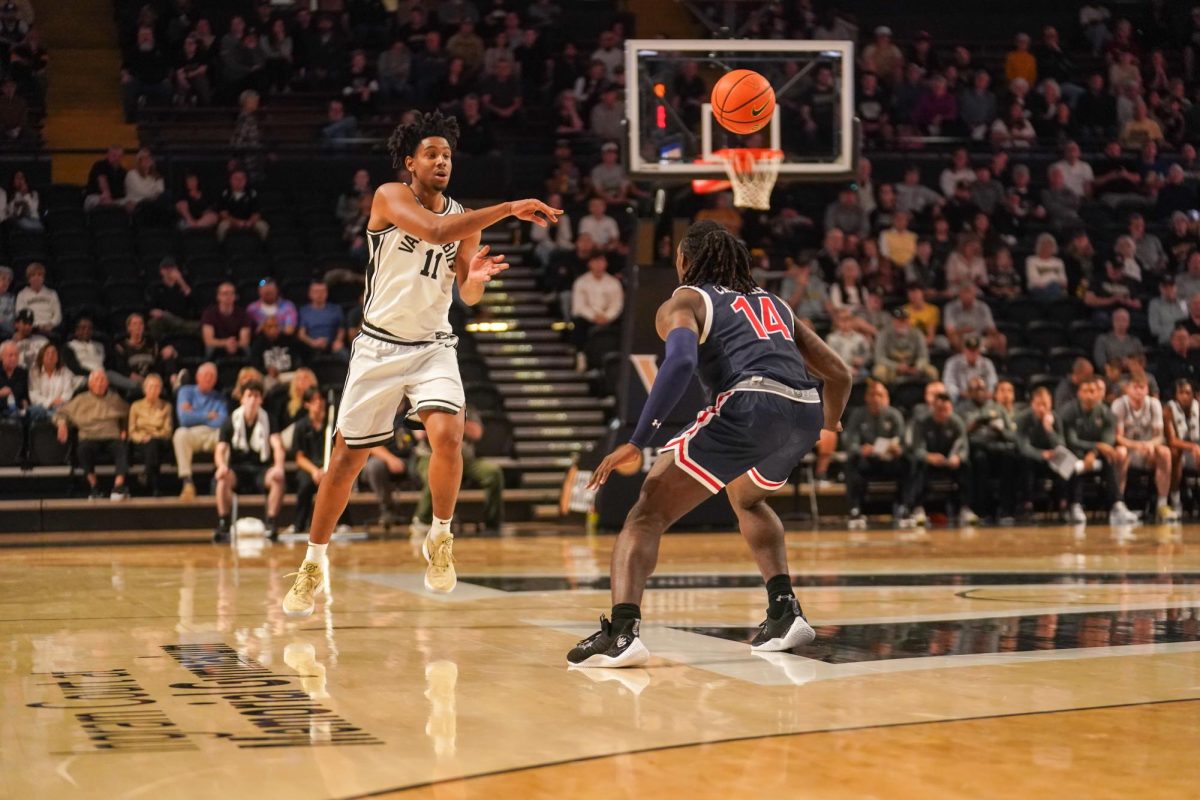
[{"x": 410, "y": 284}]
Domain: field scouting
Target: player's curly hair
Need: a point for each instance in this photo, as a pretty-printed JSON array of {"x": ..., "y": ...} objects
[
  {"x": 711, "y": 254},
  {"x": 404, "y": 140}
]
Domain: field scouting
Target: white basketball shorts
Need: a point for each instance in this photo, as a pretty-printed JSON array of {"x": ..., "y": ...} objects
[{"x": 383, "y": 374}]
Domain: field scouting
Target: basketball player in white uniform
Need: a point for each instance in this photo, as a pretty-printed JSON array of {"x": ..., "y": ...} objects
[
  {"x": 1140, "y": 432},
  {"x": 421, "y": 243}
]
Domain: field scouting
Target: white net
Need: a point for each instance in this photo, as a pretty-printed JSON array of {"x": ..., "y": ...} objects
[{"x": 752, "y": 175}]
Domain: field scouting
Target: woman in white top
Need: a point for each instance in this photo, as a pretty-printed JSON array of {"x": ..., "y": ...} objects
[
  {"x": 51, "y": 384},
  {"x": 1045, "y": 273},
  {"x": 143, "y": 183},
  {"x": 1125, "y": 254},
  {"x": 1013, "y": 131},
  {"x": 23, "y": 204},
  {"x": 554, "y": 238},
  {"x": 966, "y": 264},
  {"x": 848, "y": 292}
]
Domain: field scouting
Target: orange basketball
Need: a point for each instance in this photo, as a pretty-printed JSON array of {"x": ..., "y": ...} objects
[{"x": 743, "y": 101}]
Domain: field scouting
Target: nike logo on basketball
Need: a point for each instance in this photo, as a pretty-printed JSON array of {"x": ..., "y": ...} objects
[{"x": 754, "y": 112}]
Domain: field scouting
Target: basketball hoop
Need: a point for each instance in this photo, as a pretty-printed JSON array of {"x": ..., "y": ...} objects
[{"x": 752, "y": 172}]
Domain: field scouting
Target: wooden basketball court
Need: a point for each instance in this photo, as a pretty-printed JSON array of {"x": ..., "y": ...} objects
[{"x": 954, "y": 664}]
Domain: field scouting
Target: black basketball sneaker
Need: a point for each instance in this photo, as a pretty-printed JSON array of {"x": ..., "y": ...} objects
[
  {"x": 790, "y": 630},
  {"x": 616, "y": 644}
]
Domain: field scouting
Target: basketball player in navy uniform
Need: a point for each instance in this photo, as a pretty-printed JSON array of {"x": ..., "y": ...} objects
[
  {"x": 420, "y": 243},
  {"x": 767, "y": 376}
]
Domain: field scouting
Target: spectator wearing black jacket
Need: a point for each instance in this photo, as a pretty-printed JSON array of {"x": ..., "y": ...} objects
[
  {"x": 475, "y": 133},
  {"x": 1039, "y": 433},
  {"x": 325, "y": 54},
  {"x": 1118, "y": 183},
  {"x": 1055, "y": 64},
  {"x": 172, "y": 308},
  {"x": 145, "y": 75},
  {"x": 1180, "y": 362},
  {"x": 1096, "y": 111},
  {"x": 238, "y": 208},
  {"x": 106, "y": 180},
  {"x": 940, "y": 449},
  {"x": 138, "y": 356},
  {"x": 873, "y": 440},
  {"x": 14, "y": 382},
  {"x": 309, "y": 445},
  {"x": 1090, "y": 432},
  {"x": 361, "y": 92},
  {"x": 1175, "y": 196},
  {"x": 992, "y": 436}
]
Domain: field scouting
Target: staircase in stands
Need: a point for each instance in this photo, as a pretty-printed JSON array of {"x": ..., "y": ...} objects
[{"x": 552, "y": 408}]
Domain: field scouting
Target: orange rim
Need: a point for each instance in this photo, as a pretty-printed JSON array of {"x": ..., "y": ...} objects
[{"x": 744, "y": 159}]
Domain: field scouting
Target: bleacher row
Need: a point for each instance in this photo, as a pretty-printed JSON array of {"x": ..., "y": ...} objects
[
  {"x": 35, "y": 463},
  {"x": 108, "y": 245},
  {"x": 1044, "y": 340}
]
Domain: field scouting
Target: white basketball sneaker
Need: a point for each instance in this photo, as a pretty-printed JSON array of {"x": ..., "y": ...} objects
[
  {"x": 301, "y": 598},
  {"x": 439, "y": 575}
]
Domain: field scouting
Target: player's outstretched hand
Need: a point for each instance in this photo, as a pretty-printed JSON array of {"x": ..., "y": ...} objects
[
  {"x": 535, "y": 211},
  {"x": 484, "y": 267},
  {"x": 625, "y": 454}
]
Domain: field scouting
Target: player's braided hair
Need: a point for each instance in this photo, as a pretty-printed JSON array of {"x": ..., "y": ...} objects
[
  {"x": 404, "y": 140},
  {"x": 714, "y": 255}
]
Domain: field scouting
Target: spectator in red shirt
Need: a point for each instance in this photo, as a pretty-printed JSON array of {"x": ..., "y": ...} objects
[
  {"x": 937, "y": 109},
  {"x": 225, "y": 326}
]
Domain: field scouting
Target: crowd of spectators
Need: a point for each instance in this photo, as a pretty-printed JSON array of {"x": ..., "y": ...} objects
[
  {"x": 479, "y": 61},
  {"x": 997, "y": 455},
  {"x": 252, "y": 433},
  {"x": 1045, "y": 223}
]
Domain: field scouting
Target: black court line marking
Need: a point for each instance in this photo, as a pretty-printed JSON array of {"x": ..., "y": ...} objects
[
  {"x": 859, "y": 642},
  {"x": 970, "y": 595},
  {"x": 962, "y": 580},
  {"x": 852, "y": 729}
]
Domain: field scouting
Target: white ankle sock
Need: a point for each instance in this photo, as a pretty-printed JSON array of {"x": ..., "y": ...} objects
[
  {"x": 439, "y": 529},
  {"x": 316, "y": 552}
]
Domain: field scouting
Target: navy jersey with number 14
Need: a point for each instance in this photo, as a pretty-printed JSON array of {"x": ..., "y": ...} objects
[{"x": 747, "y": 334}]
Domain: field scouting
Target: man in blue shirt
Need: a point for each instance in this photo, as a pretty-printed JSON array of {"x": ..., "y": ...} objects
[
  {"x": 322, "y": 324},
  {"x": 202, "y": 411}
]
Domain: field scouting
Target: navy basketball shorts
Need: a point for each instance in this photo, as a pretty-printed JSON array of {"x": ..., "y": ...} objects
[{"x": 760, "y": 434}]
